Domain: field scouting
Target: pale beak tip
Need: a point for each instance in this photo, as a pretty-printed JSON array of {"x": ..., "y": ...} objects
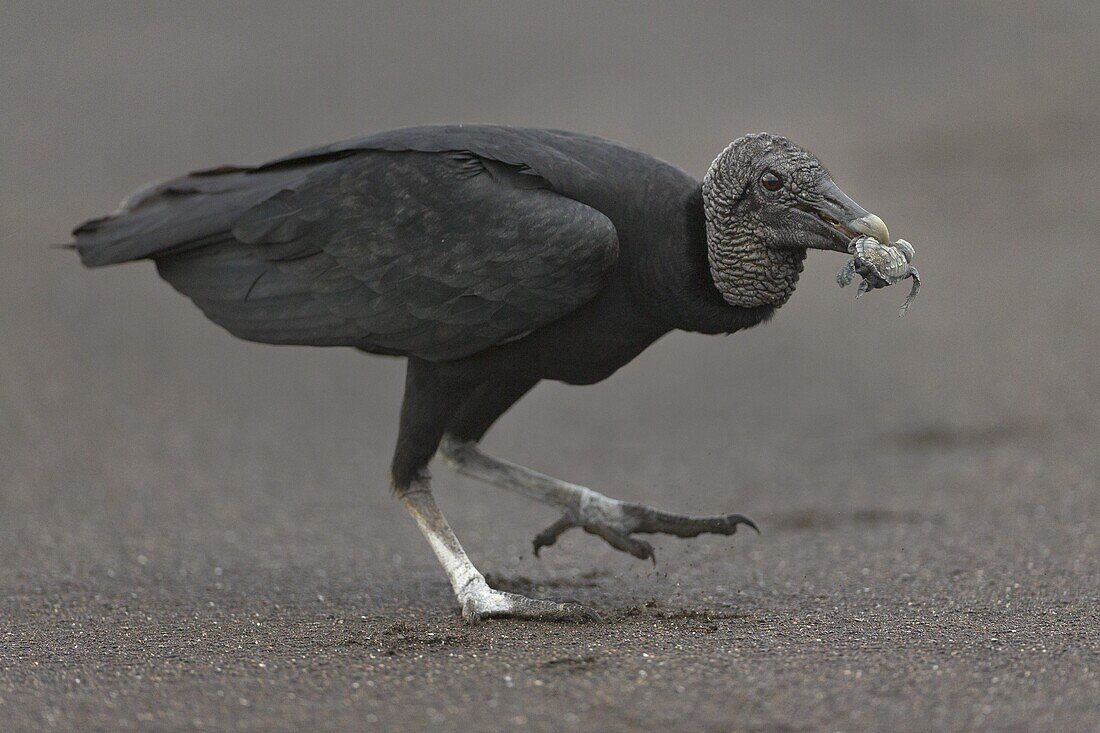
[{"x": 872, "y": 226}]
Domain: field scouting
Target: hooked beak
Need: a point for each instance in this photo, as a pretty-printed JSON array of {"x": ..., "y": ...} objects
[{"x": 847, "y": 218}]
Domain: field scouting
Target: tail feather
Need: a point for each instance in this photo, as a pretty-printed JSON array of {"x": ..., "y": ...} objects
[{"x": 174, "y": 216}]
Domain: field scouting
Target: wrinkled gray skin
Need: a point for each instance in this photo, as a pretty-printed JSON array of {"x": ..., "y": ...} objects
[
  {"x": 756, "y": 238},
  {"x": 880, "y": 265}
]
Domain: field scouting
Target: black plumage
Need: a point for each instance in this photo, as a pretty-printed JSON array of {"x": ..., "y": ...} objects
[{"x": 491, "y": 257}]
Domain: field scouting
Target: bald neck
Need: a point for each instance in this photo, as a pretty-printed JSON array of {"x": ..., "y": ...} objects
[
  {"x": 745, "y": 272},
  {"x": 748, "y": 274}
]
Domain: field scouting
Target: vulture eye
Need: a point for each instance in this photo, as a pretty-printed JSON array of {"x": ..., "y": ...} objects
[{"x": 770, "y": 181}]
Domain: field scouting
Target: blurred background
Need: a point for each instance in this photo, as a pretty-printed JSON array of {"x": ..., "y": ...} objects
[{"x": 142, "y": 448}]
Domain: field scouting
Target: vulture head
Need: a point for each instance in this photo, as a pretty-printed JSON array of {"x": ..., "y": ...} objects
[{"x": 766, "y": 202}]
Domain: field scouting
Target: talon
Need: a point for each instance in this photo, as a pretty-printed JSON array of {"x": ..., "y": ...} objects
[
  {"x": 737, "y": 519},
  {"x": 550, "y": 535}
]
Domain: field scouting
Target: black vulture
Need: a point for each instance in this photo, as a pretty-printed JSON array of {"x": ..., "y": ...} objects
[{"x": 490, "y": 258}]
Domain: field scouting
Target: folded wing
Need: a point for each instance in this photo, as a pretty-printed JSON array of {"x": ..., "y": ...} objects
[{"x": 433, "y": 253}]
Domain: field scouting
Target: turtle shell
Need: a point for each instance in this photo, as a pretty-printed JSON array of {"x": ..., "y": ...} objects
[{"x": 888, "y": 262}]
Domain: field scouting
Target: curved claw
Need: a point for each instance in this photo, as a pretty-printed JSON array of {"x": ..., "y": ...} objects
[
  {"x": 742, "y": 519},
  {"x": 681, "y": 525},
  {"x": 550, "y": 535}
]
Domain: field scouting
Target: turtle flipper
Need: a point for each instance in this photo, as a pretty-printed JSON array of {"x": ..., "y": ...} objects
[
  {"x": 846, "y": 273},
  {"x": 864, "y": 288},
  {"x": 912, "y": 293}
]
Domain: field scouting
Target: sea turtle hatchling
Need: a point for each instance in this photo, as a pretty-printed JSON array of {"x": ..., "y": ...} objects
[{"x": 880, "y": 265}]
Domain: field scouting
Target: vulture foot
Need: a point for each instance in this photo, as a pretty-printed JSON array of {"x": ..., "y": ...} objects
[
  {"x": 485, "y": 602},
  {"x": 477, "y": 599},
  {"x": 611, "y": 519},
  {"x": 626, "y": 518}
]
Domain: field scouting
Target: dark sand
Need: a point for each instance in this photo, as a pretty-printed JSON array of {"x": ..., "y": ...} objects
[{"x": 196, "y": 532}]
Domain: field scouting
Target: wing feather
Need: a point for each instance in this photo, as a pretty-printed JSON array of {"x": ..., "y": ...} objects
[{"x": 434, "y": 254}]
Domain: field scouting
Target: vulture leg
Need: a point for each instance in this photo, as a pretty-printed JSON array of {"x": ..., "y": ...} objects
[
  {"x": 611, "y": 519},
  {"x": 478, "y": 600},
  {"x": 428, "y": 404}
]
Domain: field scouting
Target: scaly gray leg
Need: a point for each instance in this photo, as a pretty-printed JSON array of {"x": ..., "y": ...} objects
[
  {"x": 611, "y": 519},
  {"x": 432, "y": 397},
  {"x": 477, "y": 599}
]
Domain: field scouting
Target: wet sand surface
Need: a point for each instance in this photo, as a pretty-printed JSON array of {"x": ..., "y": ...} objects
[{"x": 197, "y": 533}]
